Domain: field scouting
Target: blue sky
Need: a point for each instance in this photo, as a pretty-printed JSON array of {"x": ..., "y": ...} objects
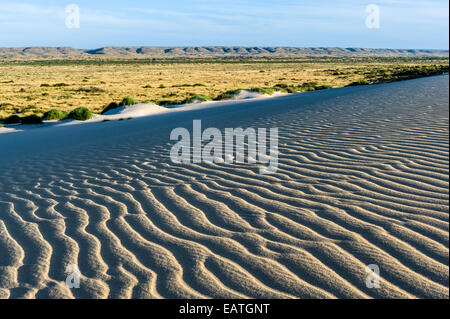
[{"x": 421, "y": 24}]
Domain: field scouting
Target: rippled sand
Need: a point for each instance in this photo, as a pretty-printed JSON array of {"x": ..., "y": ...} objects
[{"x": 362, "y": 179}]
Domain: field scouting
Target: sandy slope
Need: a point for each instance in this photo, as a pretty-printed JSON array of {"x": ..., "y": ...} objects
[{"x": 363, "y": 179}]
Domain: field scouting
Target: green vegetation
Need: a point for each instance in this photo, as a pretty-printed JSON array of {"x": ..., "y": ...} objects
[
  {"x": 97, "y": 81},
  {"x": 31, "y": 119},
  {"x": 323, "y": 87},
  {"x": 227, "y": 95},
  {"x": 110, "y": 106},
  {"x": 55, "y": 114},
  {"x": 187, "y": 85},
  {"x": 90, "y": 90},
  {"x": 360, "y": 82},
  {"x": 81, "y": 114},
  {"x": 167, "y": 102},
  {"x": 13, "y": 119},
  {"x": 196, "y": 98},
  {"x": 128, "y": 101},
  {"x": 268, "y": 91}
]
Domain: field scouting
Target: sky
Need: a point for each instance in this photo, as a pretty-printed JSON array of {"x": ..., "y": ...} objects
[{"x": 402, "y": 24}]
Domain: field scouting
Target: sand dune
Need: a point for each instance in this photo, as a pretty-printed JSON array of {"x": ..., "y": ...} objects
[{"x": 362, "y": 179}]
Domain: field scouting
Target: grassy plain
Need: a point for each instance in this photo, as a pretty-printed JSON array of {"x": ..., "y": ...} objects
[{"x": 35, "y": 86}]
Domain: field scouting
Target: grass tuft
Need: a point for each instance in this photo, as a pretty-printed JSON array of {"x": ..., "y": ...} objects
[
  {"x": 55, "y": 114},
  {"x": 13, "y": 119},
  {"x": 360, "y": 82},
  {"x": 227, "y": 95},
  {"x": 81, "y": 114},
  {"x": 31, "y": 119},
  {"x": 268, "y": 91},
  {"x": 128, "y": 101},
  {"x": 196, "y": 98}
]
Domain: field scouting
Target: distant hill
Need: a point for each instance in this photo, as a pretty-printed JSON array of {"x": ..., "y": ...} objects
[{"x": 219, "y": 51}]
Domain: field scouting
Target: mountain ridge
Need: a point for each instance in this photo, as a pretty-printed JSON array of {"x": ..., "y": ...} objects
[{"x": 220, "y": 51}]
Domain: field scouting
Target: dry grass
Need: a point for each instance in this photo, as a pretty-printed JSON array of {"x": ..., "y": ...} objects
[{"x": 34, "y": 87}]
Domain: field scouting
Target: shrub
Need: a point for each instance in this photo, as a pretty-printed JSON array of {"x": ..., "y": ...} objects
[
  {"x": 60, "y": 85},
  {"x": 31, "y": 119},
  {"x": 227, "y": 95},
  {"x": 360, "y": 82},
  {"x": 268, "y": 91},
  {"x": 90, "y": 90},
  {"x": 45, "y": 85},
  {"x": 13, "y": 119},
  {"x": 55, "y": 114},
  {"x": 128, "y": 101},
  {"x": 81, "y": 114},
  {"x": 294, "y": 89},
  {"x": 196, "y": 98},
  {"x": 309, "y": 84},
  {"x": 323, "y": 87},
  {"x": 1, "y": 125},
  {"x": 110, "y": 106},
  {"x": 167, "y": 102}
]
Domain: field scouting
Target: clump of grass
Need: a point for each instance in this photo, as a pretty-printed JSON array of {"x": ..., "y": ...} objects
[
  {"x": 55, "y": 114},
  {"x": 13, "y": 119},
  {"x": 90, "y": 90},
  {"x": 360, "y": 82},
  {"x": 147, "y": 86},
  {"x": 31, "y": 119},
  {"x": 268, "y": 91},
  {"x": 57, "y": 85},
  {"x": 227, "y": 95},
  {"x": 45, "y": 85},
  {"x": 128, "y": 101},
  {"x": 81, "y": 114},
  {"x": 187, "y": 85},
  {"x": 167, "y": 102},
  {"x": 110, "y": 106},
  {"x": 196, "y": 98},
  {"x": 323, "y": 87}
]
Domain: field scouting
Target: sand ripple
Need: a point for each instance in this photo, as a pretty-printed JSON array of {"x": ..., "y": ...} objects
[{"x": 362, "y": 179}]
